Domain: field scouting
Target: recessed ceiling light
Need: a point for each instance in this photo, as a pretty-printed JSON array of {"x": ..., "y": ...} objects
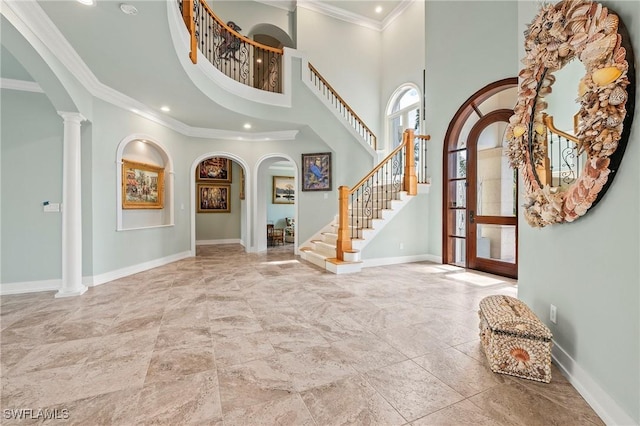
[
  {"x": 378, "y": 9},
  {"x": 247, "y": 126},
  {"x": 128, "y": 9},
  {"x": 165, "y": 108},
  {"x": 86, "y": 2}
]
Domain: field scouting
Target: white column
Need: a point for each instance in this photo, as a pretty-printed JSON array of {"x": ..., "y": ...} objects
[{"x": 71, "y": 208}]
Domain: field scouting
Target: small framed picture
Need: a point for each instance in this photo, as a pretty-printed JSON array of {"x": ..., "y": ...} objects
[
  {"x": 284, "y": 190},
  {"x": 214, "y": 169},
  {"x": 214, "y": 198},
  {"x": 316, "y": 172},
  {"x": 142, "y": 186}
]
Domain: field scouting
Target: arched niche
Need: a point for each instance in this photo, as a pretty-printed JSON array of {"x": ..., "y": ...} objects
[
  {"x": 144, "y": 149},
  {"x": 273, "y": 32}
]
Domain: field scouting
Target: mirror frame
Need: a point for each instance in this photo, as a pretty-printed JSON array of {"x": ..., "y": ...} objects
[{"x": 589, "y": 32}]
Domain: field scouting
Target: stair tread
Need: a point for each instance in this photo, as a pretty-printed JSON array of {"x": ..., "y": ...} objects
[{"x": 341, "y": 262}]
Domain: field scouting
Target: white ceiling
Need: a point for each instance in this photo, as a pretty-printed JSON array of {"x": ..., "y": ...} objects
[{"x": 134, "y": 56}]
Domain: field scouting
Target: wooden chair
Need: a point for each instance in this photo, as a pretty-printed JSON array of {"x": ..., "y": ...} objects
[
  {"x": 269, "y": 234},
  {"x": 278, "y": 236}
]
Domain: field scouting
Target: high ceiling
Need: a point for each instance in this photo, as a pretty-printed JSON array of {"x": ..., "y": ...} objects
[{"x": 134, "y": 56}]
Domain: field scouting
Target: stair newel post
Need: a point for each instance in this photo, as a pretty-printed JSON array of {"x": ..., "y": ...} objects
[
  {"x": 188, "y": 16},
  {"x": 344, "y": 239},
  {"x": 410, "y": 178}
]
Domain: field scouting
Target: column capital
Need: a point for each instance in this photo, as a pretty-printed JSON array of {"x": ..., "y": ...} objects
[{"x": 71, "y": 116}]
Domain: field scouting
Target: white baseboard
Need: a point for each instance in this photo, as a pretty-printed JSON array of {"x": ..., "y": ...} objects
[
  {"x": 214, "y": 242},
  {"x": 30, "y": 286},
  {"x": 433, "y": 258},
  {"x": 383, "y": 261},
  {"x": 90, "y": 281},
  {"x": 605, "y": 406},
  {"x": 134, "y": 269}
]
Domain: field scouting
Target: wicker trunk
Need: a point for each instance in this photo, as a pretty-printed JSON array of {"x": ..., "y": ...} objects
[{"x": 515, "y": 341}]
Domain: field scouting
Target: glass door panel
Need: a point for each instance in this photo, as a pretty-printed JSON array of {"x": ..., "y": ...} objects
[{"x": 497, "y": 242}]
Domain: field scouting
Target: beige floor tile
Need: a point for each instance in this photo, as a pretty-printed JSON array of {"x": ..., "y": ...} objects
[
  {"x": 254, "y": 382},
  {"x": 236, "y": 336},
  {"x": 352, "y": 401},
  {"x": 287, "y": 411},
  {"x": 464, "y": 374},
  {"x": 411, "y": 390}
]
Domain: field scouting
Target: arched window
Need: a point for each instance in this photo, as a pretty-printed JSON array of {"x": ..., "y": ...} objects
[{"x": 403, "y": 112}]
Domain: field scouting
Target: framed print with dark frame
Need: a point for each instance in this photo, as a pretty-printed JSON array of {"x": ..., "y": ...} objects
[
  {"x": 316, "y": 172},
  {"x": 284, "y": 190},
  {"x": 214, "y": 198},
  {"x": 142, "y": 186},
  {"x": 214, "y": 169}
]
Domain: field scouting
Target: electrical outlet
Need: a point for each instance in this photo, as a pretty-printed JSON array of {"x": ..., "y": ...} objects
[{"x": 553, "y": 314}]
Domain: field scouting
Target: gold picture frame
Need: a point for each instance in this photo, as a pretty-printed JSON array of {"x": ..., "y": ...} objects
[
  {"x": 214, "y": 169},
  {"x": 142, "y": 186},
  {"x": 213, "y": 198}
]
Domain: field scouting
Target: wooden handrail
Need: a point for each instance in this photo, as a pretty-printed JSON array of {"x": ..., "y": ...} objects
[
  {"x": 344, "y": 103},
  {"x": 548, "y": 121},
  {"x": 237, "y": 34},
  {"x": 376, "y": 168}
]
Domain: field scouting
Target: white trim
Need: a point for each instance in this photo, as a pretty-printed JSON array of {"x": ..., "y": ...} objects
[
  {"x": 601, "y": 402},
  {"x": 21, "y": 85},
  {"x": 383, "y": 261},
  {"x": 145, "y": 227},
  {"x": 37, "y": 21},
  {"x": 134, "y": 269},
  {"x": 220, "y": 241},
  {"x": 352, "y": 17},
  {"x": 30, "y": 286},
  {"x": 169, "y": 179},
  {"x": 246, "y": 205}
]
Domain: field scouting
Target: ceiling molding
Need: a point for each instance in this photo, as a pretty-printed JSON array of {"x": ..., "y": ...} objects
[
  {"x": 37, "y": 21},
  {"x": 21, "y": 85},
  {"x": 395, "y": 13},
  {"x": 338, "y": 13}
]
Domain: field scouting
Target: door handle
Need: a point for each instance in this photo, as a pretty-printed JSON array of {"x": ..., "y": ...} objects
[{"x": 472, "y": 216}]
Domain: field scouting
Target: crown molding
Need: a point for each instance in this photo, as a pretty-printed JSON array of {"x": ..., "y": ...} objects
[
  {"x": 355, "y": 18},
  {"x": 38, "y": 22},
  {"x": 395, "y": 13},
  {"x": 21, "y": 85},
  {"x": 341, "y": 14}
]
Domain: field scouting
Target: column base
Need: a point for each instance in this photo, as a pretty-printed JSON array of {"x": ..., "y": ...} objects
[{"x": 62, "y": 293}]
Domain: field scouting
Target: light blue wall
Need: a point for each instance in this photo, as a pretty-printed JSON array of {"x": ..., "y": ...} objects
[
  {"x": 469, "y": 44},
  {"x": 31, "y": 144},
  {"x": 590, "y": 269}
]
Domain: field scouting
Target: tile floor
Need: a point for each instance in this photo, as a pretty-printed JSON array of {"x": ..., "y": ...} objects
[{"x": 228, "y": 338}]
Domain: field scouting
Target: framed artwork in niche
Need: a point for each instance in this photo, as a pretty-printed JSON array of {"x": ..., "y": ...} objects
[
  {"x": 142, "y": 186},
  {"x": 214, "y": 169},
  {"x": 214, "y": 198},
  {"x": 284, "y": 190},
  {"x": 316, "y": 172}
]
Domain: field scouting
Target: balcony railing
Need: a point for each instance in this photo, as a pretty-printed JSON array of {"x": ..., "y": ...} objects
[
  {"x": 235, "y": 55},
  {"x": 341, "y": 106}
]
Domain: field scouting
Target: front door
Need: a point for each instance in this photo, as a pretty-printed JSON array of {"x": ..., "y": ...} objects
[{"x": 491, "y": 193}]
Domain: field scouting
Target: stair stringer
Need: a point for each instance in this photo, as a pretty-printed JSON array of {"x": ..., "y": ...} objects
[{"x": 327, "y": 237}]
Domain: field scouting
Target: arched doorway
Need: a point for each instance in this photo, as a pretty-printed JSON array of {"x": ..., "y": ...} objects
[{"x": 479, "y": 194}]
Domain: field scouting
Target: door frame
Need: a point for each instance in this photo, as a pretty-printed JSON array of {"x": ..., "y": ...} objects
[{"x": 452, "y": 136}]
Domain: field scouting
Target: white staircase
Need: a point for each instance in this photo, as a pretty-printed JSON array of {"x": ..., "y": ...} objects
[{"x": 321, "y": 250}]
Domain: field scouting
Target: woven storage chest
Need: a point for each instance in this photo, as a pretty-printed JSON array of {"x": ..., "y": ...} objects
[{"x": 515, "y": 341}]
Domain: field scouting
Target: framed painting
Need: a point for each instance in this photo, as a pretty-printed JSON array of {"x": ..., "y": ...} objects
[
  {"x": 214, "y": 169},
  {"x": 241, "y": 183},
  {"x": 214, "y": 198},
  {"x": 284, "y": 190},
  {"x": 142, "y": 186},
  {"x": 316, "y": 172}
]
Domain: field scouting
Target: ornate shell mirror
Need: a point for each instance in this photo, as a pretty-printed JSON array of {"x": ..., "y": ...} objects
[{"x": 569, "y": 145}]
